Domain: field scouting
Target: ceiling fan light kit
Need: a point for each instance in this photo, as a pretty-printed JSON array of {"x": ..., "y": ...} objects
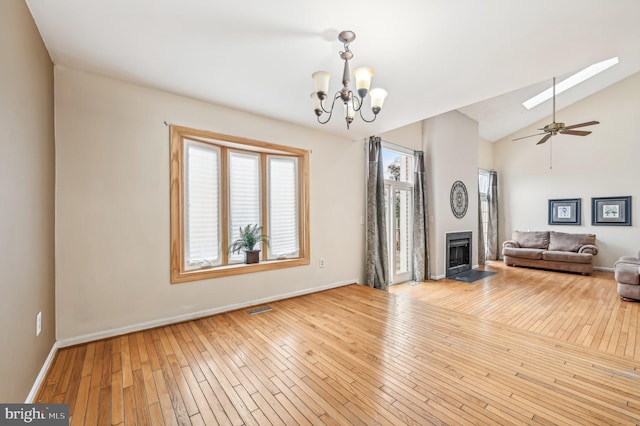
[{"x": 352, "y": 103}]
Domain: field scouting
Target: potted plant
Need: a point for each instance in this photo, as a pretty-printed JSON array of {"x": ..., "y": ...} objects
[{"x": 250, "y": 235}]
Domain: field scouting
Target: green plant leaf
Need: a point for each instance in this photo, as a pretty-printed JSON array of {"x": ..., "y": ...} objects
[{"x": 250, "y": 235}]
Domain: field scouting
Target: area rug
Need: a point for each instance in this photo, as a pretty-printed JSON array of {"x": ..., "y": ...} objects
[{"x": 471, "y": 276}]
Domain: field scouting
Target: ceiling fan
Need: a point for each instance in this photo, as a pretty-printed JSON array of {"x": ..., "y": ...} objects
[{"x": 554, "y": 128}]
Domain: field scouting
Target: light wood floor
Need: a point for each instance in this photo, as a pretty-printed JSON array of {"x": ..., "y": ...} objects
[
  {"x": 520, "y": 347},
  {"x": 569, "y": 307}
]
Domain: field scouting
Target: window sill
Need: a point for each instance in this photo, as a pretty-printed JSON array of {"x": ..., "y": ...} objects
[{"x": 235, "y": 269}]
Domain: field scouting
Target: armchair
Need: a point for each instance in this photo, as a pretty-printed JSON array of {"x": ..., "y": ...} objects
[{"x": 627, "y": 274}]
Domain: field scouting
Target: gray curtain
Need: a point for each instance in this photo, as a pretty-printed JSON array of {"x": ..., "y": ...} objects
[
  {"x": 376, "y": 274},
  {"x": 492, "y": 225},
  {"x": 420, "y": 222},
  {"x": 481, "y": 252}
]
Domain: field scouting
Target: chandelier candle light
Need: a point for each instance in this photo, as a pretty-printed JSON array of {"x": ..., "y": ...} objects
[{"x": 352, "y": 103}]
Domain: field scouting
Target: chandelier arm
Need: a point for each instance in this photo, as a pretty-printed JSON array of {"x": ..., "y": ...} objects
[
  {"x": 335, "y": 97},
  {"x": 330, "y": 112},
  {"x": 325, "y": 121},
  {"x": 368, "y": 121},
  {"x": 360, "y": 102}
]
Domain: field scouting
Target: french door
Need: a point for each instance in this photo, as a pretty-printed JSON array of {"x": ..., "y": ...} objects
[{"x": 399, "y": 214}]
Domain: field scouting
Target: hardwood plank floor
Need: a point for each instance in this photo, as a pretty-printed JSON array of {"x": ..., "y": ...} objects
[
  {"x": 572, "y": 308},
  {"x": 520, "y": 347}
]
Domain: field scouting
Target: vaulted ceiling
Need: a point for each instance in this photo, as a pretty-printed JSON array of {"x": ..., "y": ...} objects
[{"x": 483, "y": 57}]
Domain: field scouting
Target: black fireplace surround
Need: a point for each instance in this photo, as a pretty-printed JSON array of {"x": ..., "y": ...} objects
[{"x": 459, "y": 250}]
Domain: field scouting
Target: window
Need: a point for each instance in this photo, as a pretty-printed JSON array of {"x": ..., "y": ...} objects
[
  {"x": 283, "y": 205},
  {"x": 220, "y": 183},
  {"x": 244, "y": 195},
  {"x": 397, "y": 163}
]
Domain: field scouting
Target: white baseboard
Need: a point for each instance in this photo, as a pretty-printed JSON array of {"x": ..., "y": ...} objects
[
  {"x": 42, "y": 374},
  {"x": 190, "y": 316},
  {"x": 603, "y": 268}
]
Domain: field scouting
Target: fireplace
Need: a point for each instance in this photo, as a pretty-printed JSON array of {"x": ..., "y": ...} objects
[{"x": 458, "y": 250}]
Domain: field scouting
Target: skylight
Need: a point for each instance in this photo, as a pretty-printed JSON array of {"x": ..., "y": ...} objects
[{"x": 568, "y": 83}]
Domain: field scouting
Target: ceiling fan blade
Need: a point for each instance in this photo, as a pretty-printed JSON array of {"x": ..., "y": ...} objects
[
  {"x": 543, "y": 140},
  {"x": 575, "y": 132},
  {"x": 575, "y": 126},
  {"x": 530, "y": 136}
]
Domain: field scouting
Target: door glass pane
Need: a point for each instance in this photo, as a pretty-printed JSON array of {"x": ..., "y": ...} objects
[
  {"x": 483, "y": 188},
  {"x": 389, "y": 227},
  {"x": 402, "y": 230}
]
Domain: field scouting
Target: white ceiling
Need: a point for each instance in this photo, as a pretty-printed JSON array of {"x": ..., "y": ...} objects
[{"x": 432, "y": 56}]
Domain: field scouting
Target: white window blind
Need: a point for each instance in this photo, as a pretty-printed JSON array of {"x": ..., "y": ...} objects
[
  {"x": 202, "y": 205},
  {"x": 244, "y": 196},
  {"x": 283, "y": 207}
]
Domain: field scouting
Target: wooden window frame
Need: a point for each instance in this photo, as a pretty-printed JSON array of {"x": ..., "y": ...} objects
[{"x": 179, "y": 273}]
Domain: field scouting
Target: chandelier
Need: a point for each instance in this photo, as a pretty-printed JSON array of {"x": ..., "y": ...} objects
[{"x": 352, "y": 102}]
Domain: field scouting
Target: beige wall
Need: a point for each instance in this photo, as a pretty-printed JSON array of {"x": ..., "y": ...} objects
[
  {"x": 112, "y": 225},
  {"x": 408, "y": 136},
  {"x": 27, "y": 173},
  {"x": 485, "y": 154},
  {"x": 602, "y": 164},
  {"x": 451, "y": 150}
]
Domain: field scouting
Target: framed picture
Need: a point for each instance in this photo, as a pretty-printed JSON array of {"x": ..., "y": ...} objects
[
  {"x": 611, "y": 211},
  {"x": 565, "y": 212}
]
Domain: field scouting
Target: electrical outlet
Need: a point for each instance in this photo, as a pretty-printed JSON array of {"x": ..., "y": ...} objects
[
  {"x": 38, "y": 323},
  {"x": 322, "y": 262}
]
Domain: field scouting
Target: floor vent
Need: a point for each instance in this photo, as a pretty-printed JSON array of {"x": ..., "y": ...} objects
[{"x": 260, "y": 310}]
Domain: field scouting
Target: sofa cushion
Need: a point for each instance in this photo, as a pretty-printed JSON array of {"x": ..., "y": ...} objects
[
  {"x": 561, "y": 241},
  {"x": 532, "y": 239},
  {"x": 567, "y": 256},
  {"x": 525, "y": 253}
]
